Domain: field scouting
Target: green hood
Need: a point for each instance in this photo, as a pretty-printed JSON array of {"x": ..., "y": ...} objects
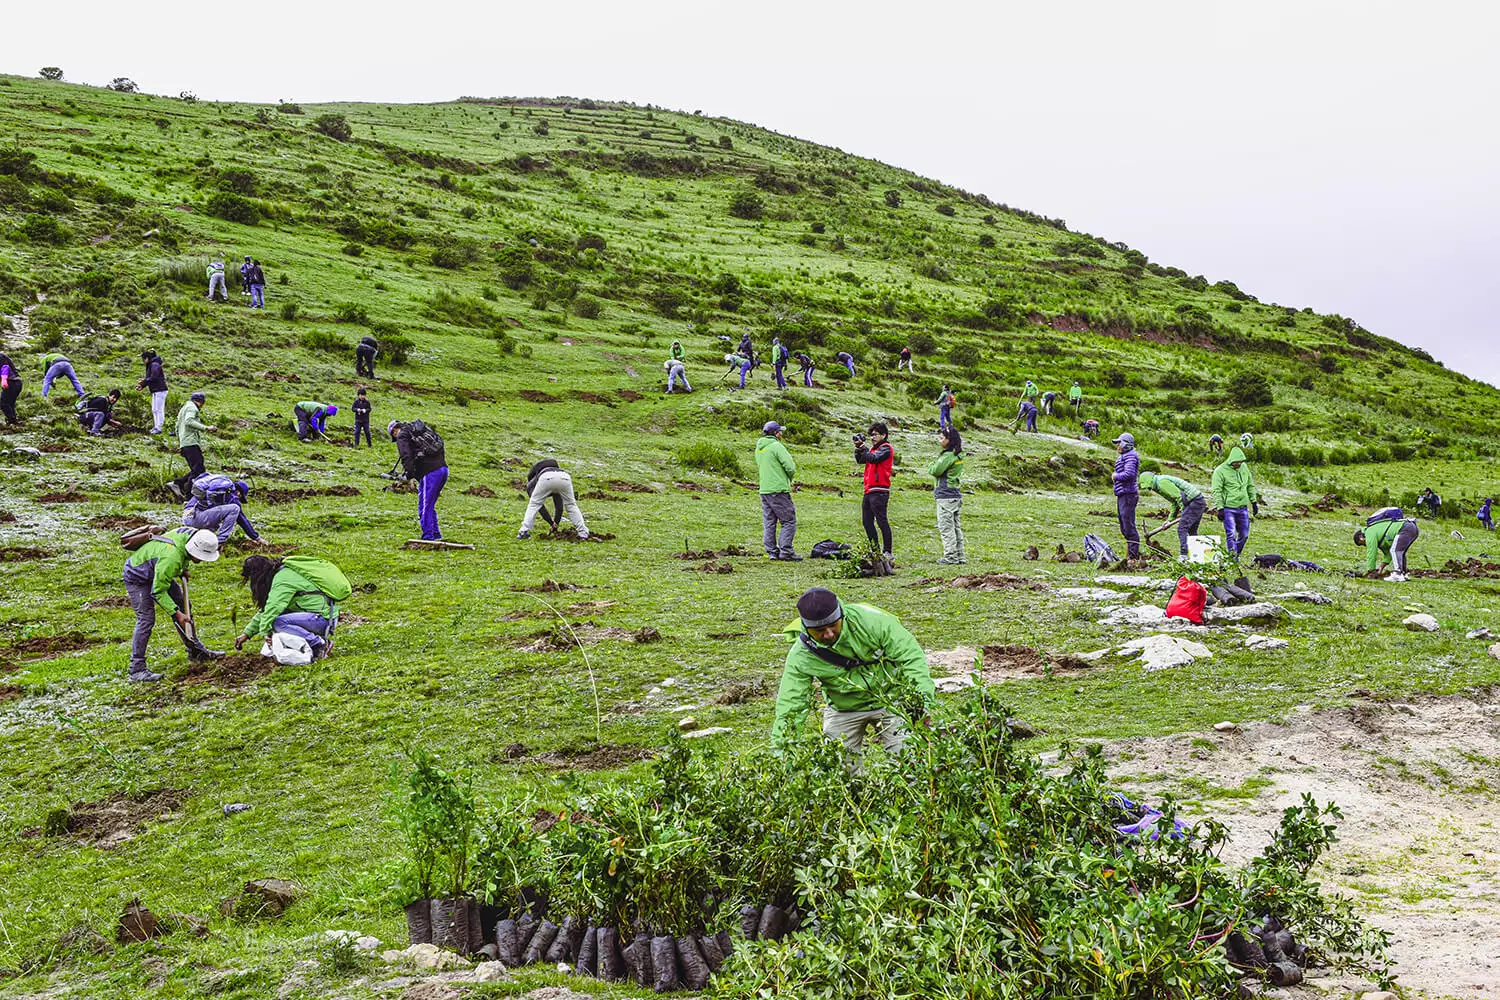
[{"x": 1236, "y": 454}]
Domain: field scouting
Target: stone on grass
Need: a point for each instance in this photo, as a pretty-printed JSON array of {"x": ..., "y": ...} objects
[
  {"x": 698, "y": 734},
  {"x": 1260, "y": 611},
  {"x": 1381, "y": 994},
  {"x": 1225, "y": 727},
  {"x": 1088, "y": 594},
  {"x": 1115, "y": 580},
  {"x": 1140, "y": 614},
  {"x": 1478, "y": 633},
  {"x": 1305, "y": 596},
  {"x": 687, "y": 723},
  {"x": 1160, "y": 651},
  {"x": 490, "y": 972},
  {"x": 1421, "y": 623},
  {"x": 1495, "y": 650},
  {"x": 430, "y": 956},
  {"x": 265, "y": 897},
  {"x": 1456, "y": 535},
  {"x": 1265, "y": 642},
  {"x": 957, "y": 682}
]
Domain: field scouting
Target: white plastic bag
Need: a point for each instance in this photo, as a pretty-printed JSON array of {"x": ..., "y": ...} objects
[{"x": 287, "y": 649}]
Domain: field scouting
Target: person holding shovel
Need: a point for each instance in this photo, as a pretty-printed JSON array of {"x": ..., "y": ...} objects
[
  {"x": 1127, "y": 492},
  {"x": 151, "y": 576},
  {"x": 312, "y": 417},
  {"x": 1188, "y": 505},
  {"x": 545, "y": 481},
  {"x": 424, "y": 458},
  {"x": 805, "y": 367},
  {"x": 190, "y": 431},
  {"x": 1025, "y": 414},
  {"x": 1075, "y": 398},
  {"x": 740, "y": 361},
  {"x": 867, "y": 664}
]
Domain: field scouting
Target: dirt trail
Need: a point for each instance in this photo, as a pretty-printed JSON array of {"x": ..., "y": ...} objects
[
  {"x": 20, "y": 326},
  {"x": 1418, "y": 847}
]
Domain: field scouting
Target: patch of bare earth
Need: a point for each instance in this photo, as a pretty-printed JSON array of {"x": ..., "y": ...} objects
[
  {"x": 233, "y": 671},
  {"x": 110, "y": 822},
  {"x": 597, "y": 759},
  {"x": 1418, "y": 848}
]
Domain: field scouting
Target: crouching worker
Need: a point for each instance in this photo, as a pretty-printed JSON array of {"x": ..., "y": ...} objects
[
  {"x": 154, "y": 576},
  {"x": 98, "y": 412},
  {"x": 866, "y": 663},
  {"x": 312, "y": 417},
  {"x": 298, "y": 596},
  {"x": 545, "y": 481},
  {"x": 1387, "y": 537},
  {"x": 217, "y": 503}
]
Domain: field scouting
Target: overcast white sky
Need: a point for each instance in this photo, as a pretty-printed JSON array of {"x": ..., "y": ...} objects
[{"x": 1339, "y": 155}]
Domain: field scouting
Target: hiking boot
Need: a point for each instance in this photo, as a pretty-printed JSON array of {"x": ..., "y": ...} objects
[
  {"x": 203, "y": 654},
  {"x": 176, "y": 491},
  {"x": 945, "y": 561},
  {"x": 521, "y": 536},
  {"x": 794, "y": 557},
  {"x": 156, "y": 430},
  {"x": 143, "y": 676}
]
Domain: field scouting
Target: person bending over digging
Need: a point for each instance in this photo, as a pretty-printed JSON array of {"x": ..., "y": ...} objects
[
  {"x": 423, "y": 457},
  {"x": 98, "y": 412},
  {"x": 547, "y": 480},
  {"x": 865, "y": 661},
  {"x": 151, "y": 578},
  {"x": 312, "y": 417},
  {"x": 217, "y": 503},
  {"x": 1386, "y": 537},
  {"x": 297, "y": 595},
  {"x": 1188, "y": 504}
]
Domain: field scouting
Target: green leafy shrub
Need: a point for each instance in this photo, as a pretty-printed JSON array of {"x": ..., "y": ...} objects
[
  {"x": 350, "y": 312},
  {"x": 396, "y": 348},
  {"x": 232, "y": 207},
  {"x": 95, "y": 283},
  {"x": 893, "y": 199},
  {"x": 50, "y": 73},
  {"x": 964, "y": 355},
  {"x": 334, "y": 126},
  {"x": 747, "y": 205},
  {"x": 1250, "y": 389},
  {"x": 587, "y": 307},
  {"x": 289, "y": 310},
  {"x": 721, "y": 460},
  {"x": 946, "y": 209},
  {"x": 53, "y": 201},
  {"x": 45, "y": 229},
  {"x": 324, "y": 340}
]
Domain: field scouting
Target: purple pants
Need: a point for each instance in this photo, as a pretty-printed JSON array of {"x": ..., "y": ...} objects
[
  {"x": 1236, "y": 528},
  {"x": 744, "y": 370},
  {"x": 944, "y": 420},
  {"x": 428, "y": 489},
  {"x": 849, "y": 365},
  {"x": 781, "y": 376}
]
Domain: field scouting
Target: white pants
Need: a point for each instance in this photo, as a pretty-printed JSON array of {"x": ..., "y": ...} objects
[
  {"x": 158, "y": 410},
  {"x": 555, "y": 481}
]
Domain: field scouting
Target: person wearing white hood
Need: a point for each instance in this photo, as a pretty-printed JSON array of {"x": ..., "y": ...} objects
[{"x": 676, "y": 372}]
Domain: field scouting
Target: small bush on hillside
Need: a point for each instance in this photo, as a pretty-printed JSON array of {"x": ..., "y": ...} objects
[
  {"x": 350, "y": 312},
  {"x": 921, "y": 343},
  {"x": 1115, "y": 379},
  {"x": 452, "y": 252},
  {"x": 52, "y": 201},
  {"x": 45, "y": 229},
  {"x": 232, "y": 207},
  {"x": 124, "y": 85},
  {"x": 747, "y": 205},
  {"x": 946, "y": 209},
  {"x": 51, "y": 73},
  {"x": 590, "y": 241},
  {"x": 541, "y": 127},
  {"x": 515, "y": 267},
  {"x": 986, "y": 240},
  {"x": 334, "y": 126},
  {"x": 893, "y": 199},
  {"x": 289, "y": 109},
  {"x": 95, "y": 283},
  {"x": 352, "y": 250},
  {"x": 1250, "y": 389},
  {"x": 586, "y": 307},
  {"x": 721, "y": 460},
  {"x": 324, "y": 340},
  {"x": 725, "y": 142},
  {"x": 289, "y": 311},
  {"x": 13, "y": 191},
  {"x": 239, "y": 181},
  {"x": 965, "y": 356},
  {"x": 395, "y": 348}
]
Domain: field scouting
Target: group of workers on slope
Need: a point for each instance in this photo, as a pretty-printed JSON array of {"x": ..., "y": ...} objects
[
  {"x": 252, "y": 282},
  {"x": 1232, "y": 487}
]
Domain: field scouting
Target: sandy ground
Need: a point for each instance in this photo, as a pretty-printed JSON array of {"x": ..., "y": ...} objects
[{"x": 1418, "y": 848}]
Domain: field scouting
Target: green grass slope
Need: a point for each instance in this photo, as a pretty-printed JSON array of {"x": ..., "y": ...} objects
[{"x": 540, "y": 256}]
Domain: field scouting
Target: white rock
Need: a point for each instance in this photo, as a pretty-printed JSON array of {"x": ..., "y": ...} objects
[
  {"x": 958, "y": 682},
  {"x": 1088, "y": 593},
  {"x": 1306, "y": 596},
  {"x": 687, "y": 723},
  {"x": 1259, "y": 611},
  {"x": 698, "y": 734},
  {"x": 1141, "y": 614},
  {"x": 391, "y": 956},
  {"x": 1495, "y": 650},
  {"x": 1478, "y": 633},
  {"x": 1160, "y": 651},
  {"x": 430, "y": 956},
  {"x": 669, "y": 682},
  {"x": 489, "y": 972},
  {"x": 1225, "y": 727},
  {"x": 1124, "y": 581},
  {"x": 1265, "y": 642},
  {"x": 1090, "y": 657},
  {"x": 1421, "y": 623},
  {"x": 1381, "y": 994},
  {"x": 655, "y": 690},
  {"x": 1456, "y": 535},
  {"x": 367, "y": 944}
]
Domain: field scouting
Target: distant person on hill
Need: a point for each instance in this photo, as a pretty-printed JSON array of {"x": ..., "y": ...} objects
[
  {"x": 947, "y": 473},
  {"x": 677, "y": 353},
  {"x": 1484, "y": 514},
  {"x": 1387, "y": 534},
  {"x": 1075, "y": 398},
  {"x": 1431, "y": 501},
  {"x": 847, "y": 360},
  {"x": 776, "y": 470},
  {"x": 879, "y": 460},
  {"x": 779, "y": 357},
  {"x": 676, "y": 372},
  {"x": 806, "y": 364},
  {"x": 215, "y": 275},
  {"x": 746, "y": 348},
  {"x": 293, "y": 597},
  {"x": 1216, "y": 445},
  {"x": 56, "y": 366},
  {"x": 1235, "y": 497},
  {"x": 945, "y": 403},
  {"x": 740, "y": 361},
  {"x": 257, "y": 286},
  {"x": 245, "y": 276},
  {"x": 1026, "y": 413},
  {"x": 547, "y": 481},
  {"x": 1029, "y": 391},
  {"x": 1247, "y": 441},
  {"x": 905, "y": 361},
  {"x": 1090, "y": 428},
  {"x": 1188, "y": 504},
  {"x": 423, "y": 458},
  {"x": 10, "y": 388},
  {"x": 312, "y": 417},
  {"x": 190, "y": 430},
  {"x": 1047, "y": 398},
  {"x": 217, "y": 503},
  {"x": 155, "y": 383},
  {"x": 99, "y": 412},
  {"x": 362, "y": 410},
  {"x": 863, "y": 659},
  {"x": 150, "y": 576},
  {"x": 1128, "y": 492},
  {"x": 364, "y": 356}
]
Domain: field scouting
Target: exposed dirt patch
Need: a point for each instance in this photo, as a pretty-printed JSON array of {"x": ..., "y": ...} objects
[
  {"x": 1330, "y": 503},
  {"x": 1417, "y": 848},
  {"x": 822, "y": 488},
  {"x": 21, "y": 553},
  {"x": 11, "y": 692},
  {"x": 1469, "y": 569},
  {"x": 109, "y": 522},
  {"x": 479, "y": 491},
  {"x": 279, "y": 377},
  {"x": 66, "y": 496},
  {"x": 733, "y": 550},
  {"x": 110, "y": 822},
  {"x": 278, "y": 496},
  {"x": 986, "y": 581},
  {"x": 571, "y": 536},
  {"x": 711, "y": 567},
  {"x": 44, "y": 646},
  {"x": 55, "y": 448},
  {"x": 593, "y": 397},
  {"x": 629, "y": 395},
  {"x": 625, "y": 486},
  {"x": 401, "y": 486},
  {"x": 740, "y": 691},
  {"x": 233, "y": 671},
  {"x": 597, "y": 759},
  {"x": 113, "y": 601},
  {"x": 1000, "y": 663},
  {"x": 559, "y": 639},
  {"x": 727, "y": 635},
  {"x": 400, "y": 386},
  {"x": 694, "y": 488},
  {"x": 6, "y": 517},
  {"x": 601, "y": 495},
  {"x": 548, "y": 587},
  {"x": 537, "y": 396}
]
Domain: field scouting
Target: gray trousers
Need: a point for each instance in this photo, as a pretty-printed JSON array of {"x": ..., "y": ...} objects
[
  {"x": 1187, "y": 524},
  {"x": 774, "y": 508},
  {"x": 949, "y": 529},
  {"x": 1404, "y": 538},
  {"x": 220, "y": 520},
  {"x": 144, "y": 604},
  {"x": 558, "y": 483},
  {"x": 851, "y": 728}
]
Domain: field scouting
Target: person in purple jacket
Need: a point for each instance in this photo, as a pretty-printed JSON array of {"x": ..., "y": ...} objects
[
  {"x": 1127, "y": 491},
  {"x": 10, "y": 388}
]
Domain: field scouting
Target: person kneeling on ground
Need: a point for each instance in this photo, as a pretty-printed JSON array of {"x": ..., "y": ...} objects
[
  {"x": 865, "y": 661},
  {"x": 217, "y": 503},
  {"x": 1188, "y": 504},
  {"x": 99, "y": 412},
  {"x": 312, "y": 416},
  {"x": 293, "y": 597},
  {"x": 150, "y": 576},
  {"x": 1388, "y": 541},
  {"x": 547, "y": 480},
  {"x": 423, "y": 457}
]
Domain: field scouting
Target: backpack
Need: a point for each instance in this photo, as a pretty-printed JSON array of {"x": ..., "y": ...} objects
[
  {"x": 136, "y": 537},
  {"x": 952, "y": 400},
  {"x": 328, "y": 578},
  {"x": 829, "y": 549},
  {"x": 1188, "y": 600},
  {"x": 423, "y": 440},
  {"x": 1385, "y": 514},
  {"x": 1096, "y": 550}
]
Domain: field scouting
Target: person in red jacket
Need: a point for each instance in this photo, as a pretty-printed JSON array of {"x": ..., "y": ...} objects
[{"x": 877, "y": 457}]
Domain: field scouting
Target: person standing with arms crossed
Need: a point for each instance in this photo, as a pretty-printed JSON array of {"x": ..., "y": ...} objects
[{"x": 879, "y": 459}]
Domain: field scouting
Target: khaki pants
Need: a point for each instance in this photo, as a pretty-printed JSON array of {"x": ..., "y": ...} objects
[
  {"x": 949, "y": 528},
  {"x": 851, "y": 727}
]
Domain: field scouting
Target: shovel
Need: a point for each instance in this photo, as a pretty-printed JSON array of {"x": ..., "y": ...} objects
[
  {"x": 1152, "y": 534},
  {"x": 189, "y": 632}
]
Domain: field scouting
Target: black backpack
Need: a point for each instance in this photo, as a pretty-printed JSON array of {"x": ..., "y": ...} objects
[
  {"x": 423, "y": 441},
  {"x": 829, "y": 549}
]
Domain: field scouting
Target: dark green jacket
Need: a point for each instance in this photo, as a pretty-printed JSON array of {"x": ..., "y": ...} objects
[{"x": 1178, "y": 492}]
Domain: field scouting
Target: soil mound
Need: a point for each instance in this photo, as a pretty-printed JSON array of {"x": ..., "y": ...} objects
[
  {"x": 548, "y": 587},
  {"x": 479, "y": 491},
  {"x": 732, "y": 550},
  {"x": 67, "y": 496},
  {"x": 233, "y": 671},
  {"x": 987, "y": 581},
  {"x": 537, "y": 396},
  {"x": 110, "y": 822},
  {"x": 44, "y": 646},
  {"x": 279, "y": 496},
  {"x": 596, "y": 759},
  {"x": 21, "y": 553}
]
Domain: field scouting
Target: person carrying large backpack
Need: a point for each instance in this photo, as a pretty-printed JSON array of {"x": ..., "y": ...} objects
[
  {"x": 155, "y": 383},
  {"x": 10, "y": 388},
  {"x": 217, "y": 503},
  {"x": 297, "y": 595},
  {"x": 1388, "y": 533},
  {"x": 421, "y": 452},
  {"x": 779, "y": 357},
  {"x": 364, "y": 356},
  {"x": 151, "y": 578}
]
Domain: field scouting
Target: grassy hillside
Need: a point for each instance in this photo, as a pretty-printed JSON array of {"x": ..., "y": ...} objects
[{"x": 539, "y": 257}]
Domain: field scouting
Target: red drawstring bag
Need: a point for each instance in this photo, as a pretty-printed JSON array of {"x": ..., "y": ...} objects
[{"x": 1187, "y": 601}]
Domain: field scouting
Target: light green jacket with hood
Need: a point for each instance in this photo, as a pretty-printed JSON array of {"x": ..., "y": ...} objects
[
  {"x": 775, "y": 465},
  {"x": 1234, "y": 487}
]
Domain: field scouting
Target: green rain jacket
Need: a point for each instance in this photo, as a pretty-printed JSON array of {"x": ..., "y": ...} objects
[
  {"x": 1177, "y": 491},
  {"x": 1075, "y": 393},
  {"x": 51, "y": 359},
  {"x": 161, "y": 562},
  {"x": 676, "y": 353},
  {"x": 189, "y": 428},
  {"x": 1234, "y": 487},
  {"x": 1379, "y": 538},
  {"x": 947, "y": 469},
  {"x": 775, "y": 464},
  {"x": 290, "y": 592},
  {"x": 890, "y": 659}
]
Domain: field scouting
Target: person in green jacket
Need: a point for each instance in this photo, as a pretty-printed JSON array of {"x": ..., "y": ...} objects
[
  {"x": 1075, "y": 397},
  {"x": 190, "y": 429},
  {"x": 776, "y": 468},
  {"x": 312, "y": 416},
  {"x": 1030, "y": 392},
  {"x": 676, "y": 353},
  {"x": 1388, "y": 539},
  {"x": 289, "y": 601},
  {"x": 151, "y": 578},
  {"x": 946, "y": 471},
  {"x": 56, "y": 366},
  {"x": 866, "y": 663},
  {"x": 1235, "y": 497},
  {"x": 1188, "y": 503}
]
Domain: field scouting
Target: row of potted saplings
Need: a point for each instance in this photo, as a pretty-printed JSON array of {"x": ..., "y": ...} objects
[{"x": 664, "y": 962}]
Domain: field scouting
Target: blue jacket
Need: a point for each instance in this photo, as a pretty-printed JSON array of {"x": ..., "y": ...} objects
[
  {"x": 1127, "y": 468},
  {"x": 216, "y": 488}
]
